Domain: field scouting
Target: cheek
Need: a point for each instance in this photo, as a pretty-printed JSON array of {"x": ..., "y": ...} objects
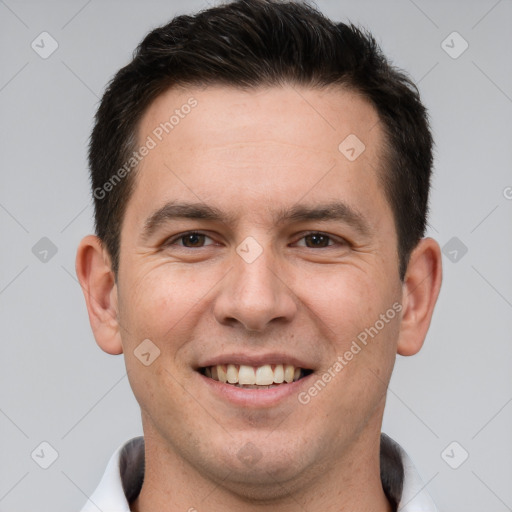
[
  {"x": 345, "y": 302},
  {"x": 161, "y": 302},
  {"x": 165, "y": 307},
  {"x": 360, "y": 319}
]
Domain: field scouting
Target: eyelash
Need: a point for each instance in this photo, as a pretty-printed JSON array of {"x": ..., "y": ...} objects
[{"x": 172, "y": 241}]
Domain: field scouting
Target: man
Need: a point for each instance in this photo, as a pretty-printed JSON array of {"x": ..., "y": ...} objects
[{"x": 261, "y": 181}]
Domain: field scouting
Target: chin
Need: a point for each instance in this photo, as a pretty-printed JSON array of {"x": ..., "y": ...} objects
[
  {"x": 260, "y": 465},
  {"x": 265, "y": 481}
]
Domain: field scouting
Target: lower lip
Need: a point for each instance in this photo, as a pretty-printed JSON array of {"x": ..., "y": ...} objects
[{"x": 255, "y": 397}]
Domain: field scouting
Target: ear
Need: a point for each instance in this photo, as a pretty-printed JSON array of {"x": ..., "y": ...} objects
[
  {"x": 94, "y": 271},
  {"x": 421, "y": 287}
]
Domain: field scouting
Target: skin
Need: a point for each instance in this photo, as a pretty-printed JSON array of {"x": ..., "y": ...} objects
[{"x": 250, "y": 154}]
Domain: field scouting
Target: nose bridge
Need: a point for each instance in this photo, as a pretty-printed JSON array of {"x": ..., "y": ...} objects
[
  {"x": 254, "y": 294},
  {"x": 256, "y": 270}
]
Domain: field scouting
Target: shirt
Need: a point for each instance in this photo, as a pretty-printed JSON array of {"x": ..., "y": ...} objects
[{"x": 124, "y": 475}]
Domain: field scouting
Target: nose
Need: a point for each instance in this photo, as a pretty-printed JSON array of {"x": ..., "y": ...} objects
[{"x": 255, "y": 294}]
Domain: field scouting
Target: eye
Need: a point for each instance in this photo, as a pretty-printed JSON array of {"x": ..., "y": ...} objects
[
  {"x": 190, "y": 240},
  {"x": 197, "y": 240},
  {"x": 318, "y": 240}
]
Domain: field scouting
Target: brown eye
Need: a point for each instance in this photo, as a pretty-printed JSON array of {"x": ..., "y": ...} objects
[
  {"x": 317, "y": 240},
  {"x": 191, "y": 240}
]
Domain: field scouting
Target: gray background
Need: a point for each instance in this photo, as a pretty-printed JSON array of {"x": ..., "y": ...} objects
[{"x": 59, "y": 387}]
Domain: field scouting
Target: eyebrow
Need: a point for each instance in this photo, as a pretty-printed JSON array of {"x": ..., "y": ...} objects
[{"x": 337, "y": 211}]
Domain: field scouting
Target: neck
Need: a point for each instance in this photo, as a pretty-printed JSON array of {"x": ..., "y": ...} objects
[{"x": 349, "y": 481}]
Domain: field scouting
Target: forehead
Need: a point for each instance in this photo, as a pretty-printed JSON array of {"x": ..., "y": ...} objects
[
  {"x": 288, "y": 114},
  {"x": 276, "y": 144}
]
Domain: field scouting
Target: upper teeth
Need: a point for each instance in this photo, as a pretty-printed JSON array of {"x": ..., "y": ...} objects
[{"x": 248, "y": 375}]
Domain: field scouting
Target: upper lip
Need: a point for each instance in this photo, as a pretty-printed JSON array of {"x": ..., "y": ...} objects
[{"x": 255, "y": 360}]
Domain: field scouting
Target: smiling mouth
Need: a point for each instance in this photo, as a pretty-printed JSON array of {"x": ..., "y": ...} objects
[{"x": 250, "y": 377}]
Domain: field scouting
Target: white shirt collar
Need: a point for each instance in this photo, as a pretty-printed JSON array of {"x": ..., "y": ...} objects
[
  {"x": 415, "y": 497},
  {"x": 126, "y": 467}
]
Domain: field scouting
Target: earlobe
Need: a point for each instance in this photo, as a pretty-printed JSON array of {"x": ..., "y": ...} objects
[
  {"x": 420, "y": 291},
  {"x": 96, "y": 278}
]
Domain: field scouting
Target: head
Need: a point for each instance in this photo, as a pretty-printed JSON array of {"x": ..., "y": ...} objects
[
  {"x": 276, "y": 44},
  {"x": 301, "y": 159}
]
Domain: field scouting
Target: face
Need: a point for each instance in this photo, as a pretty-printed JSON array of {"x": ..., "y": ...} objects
[{"x": 256, "y": 250}]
